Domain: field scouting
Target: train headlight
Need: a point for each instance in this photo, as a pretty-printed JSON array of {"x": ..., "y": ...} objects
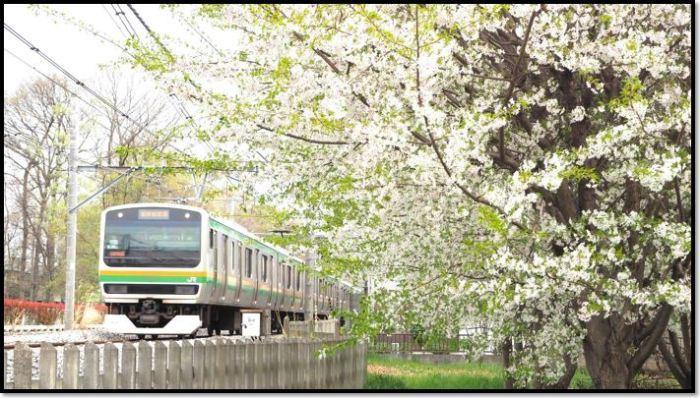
[
  {"x": 115, "y": 289},
  {"x": 186, "y": 289},
  {"x": 120, "y": 214},
  {"x": 187, "y": 215}
]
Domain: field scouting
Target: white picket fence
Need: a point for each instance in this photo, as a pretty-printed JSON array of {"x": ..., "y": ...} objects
[{"x": 214, "y": 363}]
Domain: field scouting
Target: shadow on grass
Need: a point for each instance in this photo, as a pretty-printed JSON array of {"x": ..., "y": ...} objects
[
  {"x": 396, "y": 374},
  {"x": 384, "y": 382}
]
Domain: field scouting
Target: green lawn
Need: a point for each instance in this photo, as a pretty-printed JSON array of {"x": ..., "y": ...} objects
[{"x": 394, "y": 373}]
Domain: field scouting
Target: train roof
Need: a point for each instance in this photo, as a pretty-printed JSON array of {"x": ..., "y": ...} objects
[{"x": 244, "y": 231}]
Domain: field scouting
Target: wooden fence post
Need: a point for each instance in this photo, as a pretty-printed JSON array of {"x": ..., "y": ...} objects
[
  {"x": 91, "y": 366},
  {"x": 280, "y": 366},
  {"x": 144, "y": 376},
  {"x": 268, "y": 360},
  {"x": 350, "y": 364},
  {"x": 198, "y": 364},
  {"x": 363, "y": 365},
  {"x": 173, "y": 382},
  {"x": 128, "y": 365},
  {"x": 47, "y": 366},
  {"x": 22, "y": 366},
  {"x": 221, "y": 349},
  {"x": 71, "y": 362},
  {"x": 316, "y": 360},
  {"x": 299, "y": 350},
  {"x": 209, "y": 363},
  {"x": 239, "y": 377},
  {"x": 111, "y": 366},
  {"x": 258, "y": 374},
  {"x": 4, "y": 368},
  {"x": 186, "y": 360},
  {"x": 160, "y": 373},
  {"x": 249, "y": 365},
  {"x": 230, "y": 361}
]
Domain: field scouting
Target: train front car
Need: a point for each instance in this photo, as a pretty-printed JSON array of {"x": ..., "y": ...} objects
[{"x": 153, "y": 268}]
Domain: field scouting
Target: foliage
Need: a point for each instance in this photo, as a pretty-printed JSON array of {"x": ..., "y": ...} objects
[{"x": 523, "y": 166}]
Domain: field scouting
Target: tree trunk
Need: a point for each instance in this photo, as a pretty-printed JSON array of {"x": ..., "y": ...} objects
[
  {"x": 607, "y": 344},
  {"x": 506, "y": 349},
  {"x": 24, "y": 201},
  {"x": 606, "y": 357},
  {"x": 49, "y": 263}
]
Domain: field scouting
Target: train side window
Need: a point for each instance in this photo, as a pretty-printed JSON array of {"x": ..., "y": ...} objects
[
  {"x": 211, "y": 238},
  {"x": 298, "y": 280},
  {"x": 235, "y": 257},
  {"x": 215, "y": 252},
  {"x": 248, "y": 262},
  {"x": 225, "y": 252},
  {"x": 256, "y": 264},
  {"x": 264, "y": 268},
  {"x": 289, "y": 277}
]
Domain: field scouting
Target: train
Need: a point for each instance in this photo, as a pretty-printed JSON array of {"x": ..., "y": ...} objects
[{"x": 170, "y": 269}]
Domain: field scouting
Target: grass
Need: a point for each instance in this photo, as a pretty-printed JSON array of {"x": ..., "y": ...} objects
[{"x": 396, "y": 374}]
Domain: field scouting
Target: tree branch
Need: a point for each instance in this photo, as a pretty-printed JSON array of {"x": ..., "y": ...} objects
[
  {"x": 516, "y": 76},
  {"x": 305, "y": 139},
  {"x": 671, "y": 362},
  {"x": 464, "y": 189},
  {"x": 659, "y": 323}
]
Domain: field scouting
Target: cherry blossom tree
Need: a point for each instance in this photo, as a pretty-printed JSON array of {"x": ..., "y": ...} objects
[{"x": 526, "y": 165}]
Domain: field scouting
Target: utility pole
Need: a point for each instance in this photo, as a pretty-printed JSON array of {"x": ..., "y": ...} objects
[
  {"x": 309, "y": 308},
  {"x": 72, "y": 229}
]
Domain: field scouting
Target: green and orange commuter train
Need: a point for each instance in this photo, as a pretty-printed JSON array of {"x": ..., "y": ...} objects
[{"x": 168, "y": 269}]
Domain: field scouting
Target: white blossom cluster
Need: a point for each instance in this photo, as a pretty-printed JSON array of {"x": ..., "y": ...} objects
[{"x": 382, "y": 128}]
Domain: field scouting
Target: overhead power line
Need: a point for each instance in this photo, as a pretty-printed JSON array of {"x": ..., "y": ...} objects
[
  {"x": 83, "y": 85},
  {"x": 179, "y": 104},
  {"x": 114, "y": 21},
  {"x": 121, "y": 15},
  {"x": 27, "y": 64}
]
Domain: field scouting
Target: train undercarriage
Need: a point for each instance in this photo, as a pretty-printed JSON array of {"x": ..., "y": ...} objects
[{"x": 152, "y": 317}]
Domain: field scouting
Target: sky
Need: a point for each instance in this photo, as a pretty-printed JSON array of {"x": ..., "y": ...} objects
[
  {"x": 79, "y": 52},
  {"x": 85, "y": 55}
]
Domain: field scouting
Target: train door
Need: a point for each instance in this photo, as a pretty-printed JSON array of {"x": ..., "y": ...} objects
[
  {"x": 220, "y": 278},
  {"x": 266, "y": 279},
  {"x": 276, "y": 285},
  {"x": 213, "y": 257},
  {"x": 288, "y": 296},
  {"x": 231, "y": 284},
  {"x": 248, "y": 288},
  {"x": 300, "y": 302},
  {"x": 237, "y": 268},
  {"x": 256, "y": 275}
]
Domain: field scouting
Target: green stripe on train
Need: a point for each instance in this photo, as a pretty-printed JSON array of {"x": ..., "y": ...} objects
[
  {"x": 179, "y": 279},
  {"x": 153, "y": 278}
]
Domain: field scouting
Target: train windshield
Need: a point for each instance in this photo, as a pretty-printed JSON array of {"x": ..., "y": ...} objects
[{"x": 152, "y": 237}]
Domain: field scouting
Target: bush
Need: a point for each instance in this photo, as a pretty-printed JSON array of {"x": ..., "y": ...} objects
[
  {"x": 42, "y": 313},
  {"x": 38, "y": 312}
]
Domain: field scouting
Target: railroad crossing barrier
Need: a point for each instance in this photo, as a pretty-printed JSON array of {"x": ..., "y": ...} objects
[{"x": 217, "y": 363}]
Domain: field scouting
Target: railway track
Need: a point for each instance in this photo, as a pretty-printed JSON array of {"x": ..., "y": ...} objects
[{"x": 42, "y": 328}]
